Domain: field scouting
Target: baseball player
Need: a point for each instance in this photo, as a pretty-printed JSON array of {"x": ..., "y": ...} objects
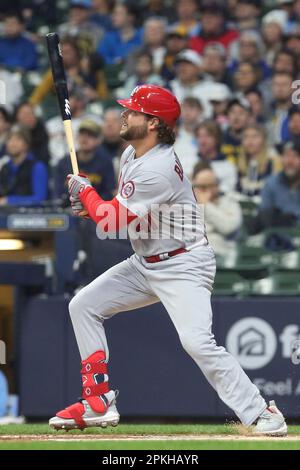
[{"x": 176, "y": 268}]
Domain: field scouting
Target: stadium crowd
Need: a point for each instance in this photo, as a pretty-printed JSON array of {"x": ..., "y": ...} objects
[{"x": 232, "y": 64}]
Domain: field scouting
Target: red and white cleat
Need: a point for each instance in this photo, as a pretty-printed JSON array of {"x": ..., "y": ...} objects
[
  {"x": 98, "y": 404},
  {"x": 81, "y": 416},
  {"x": 271, "y": 422}
]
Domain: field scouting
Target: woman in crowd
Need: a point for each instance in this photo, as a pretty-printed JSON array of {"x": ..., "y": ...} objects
[{"x": 256, "y": 162}]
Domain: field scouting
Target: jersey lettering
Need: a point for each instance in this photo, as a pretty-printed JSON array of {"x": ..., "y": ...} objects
[{"x": 178, "y": 167}]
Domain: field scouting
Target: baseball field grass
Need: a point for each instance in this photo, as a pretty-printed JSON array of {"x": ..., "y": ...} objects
[{"x": 144, "y": 437}]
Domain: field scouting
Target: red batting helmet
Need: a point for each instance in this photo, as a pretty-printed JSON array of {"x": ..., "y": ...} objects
[{"x": 154, "y": 100}]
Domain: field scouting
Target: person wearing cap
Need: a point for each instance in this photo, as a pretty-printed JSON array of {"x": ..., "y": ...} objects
[
  {"x": 80, "y": 25},
  {"x": 273, "y": 28},
  {"x": 239, "y": 116},
  {"x": 23, "y": 179},
  {"x": 188, "y": 17},
  {"x": 281, "y": 194},
  {"x": 58, "y": 147},
  {"x": 213, "y": 27},
  {"x": 176, "y": 41},
  {"x": 117, "y": 44},
  {"x": 93, "y": 161},
  {"x": 219, "y": 96},
  {"x": 250, "y": 49},
  {"x": 188, "y": 69}
]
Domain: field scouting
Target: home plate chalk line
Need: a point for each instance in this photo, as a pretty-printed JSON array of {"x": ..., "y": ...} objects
[{"x": 134, "y": 437}]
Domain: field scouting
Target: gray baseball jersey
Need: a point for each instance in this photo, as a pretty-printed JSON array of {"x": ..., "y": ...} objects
[{"x": 155, "y": 188}]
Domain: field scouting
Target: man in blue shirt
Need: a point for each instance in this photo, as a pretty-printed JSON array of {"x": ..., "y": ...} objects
[
  {"x": 116, "y": 45},
  {"x": 93, "y": 160},
  {"x": 16, "y": 50},
  {"x": 23, "y": 179},
  {"x": 282, "y": 191}
]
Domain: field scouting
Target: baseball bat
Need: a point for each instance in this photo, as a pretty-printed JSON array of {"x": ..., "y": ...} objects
[{"x": 60, "y": 83}]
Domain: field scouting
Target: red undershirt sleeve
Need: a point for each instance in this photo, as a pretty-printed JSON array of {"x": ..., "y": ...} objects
[{"x": 111, "y": 215}]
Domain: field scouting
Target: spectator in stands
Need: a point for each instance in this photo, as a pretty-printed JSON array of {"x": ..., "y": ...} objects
[
  {"x": 47, "y": 11},
  {"x": 93, "y": 161},
  {"x": 239, "y": 115},
  {"x": 101, "y": 14},
  {"x": 185, "y": 145},
  {"x": 281, "y": 94},
  {"x": 214, "y": 64},
  {"x": 273, "y": 27},
  {"x": 143, "y": 73},
  {"x": 213, "y": 27},
  {"x": 222, "y": 214},
  {"x": 219, "y": 96},
  {"x": 176, "y": 41},
  {"x": 161, "y": 8},
  {"x": 17, "y": 51},
  {"x": 112, "y": 141},
  {"x": 209, "y": 139},
  {"x": 246, "y": 77},
  {"x": 281, "y": 194},
  {"x": 88, "y": 76},
  {"x": 116, "y": 45},
  {"x": 11, "y": 88},
  {"x": 256, "y": 102},
  {"x": 26, "y": 117},
  {"x": 246, "y": 14},
  {"x": 5, "y": 123},
  {"x": 294, "y": 125},
  {"x": 250, "y": 49},
  {"x": 154, "y": 44},
  {"x": 285, "y": 61},
  {"x": 292, "y": 43},
  {"x": 57, "y": 138},
  {"x": 188, "y": 17},
  {"x": 81, "y": 27},
  {"x": 23, "y": 179},
  {"x": 111, "y": 132},
  {"x": 188, "y": 67},
  {"x": 256, "y": 162}
]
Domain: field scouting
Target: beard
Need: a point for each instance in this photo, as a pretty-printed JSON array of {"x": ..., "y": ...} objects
[
  {"x": 292, "y": 177},
  {"x": 134, "y": 133}
]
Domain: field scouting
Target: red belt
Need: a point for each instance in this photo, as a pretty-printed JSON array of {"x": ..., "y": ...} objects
[{"x": 163, "y": 256}]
